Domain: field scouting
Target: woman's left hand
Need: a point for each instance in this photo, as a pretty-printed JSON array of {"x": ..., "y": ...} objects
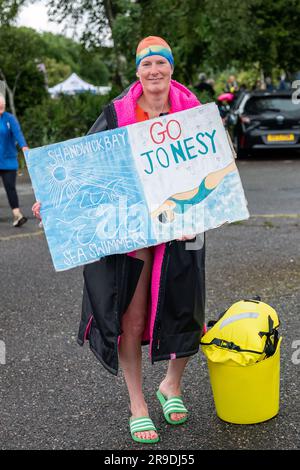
[{"x": 36, "y": 210}]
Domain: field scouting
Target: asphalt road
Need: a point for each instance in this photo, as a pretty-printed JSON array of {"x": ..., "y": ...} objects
[{"x": 55, "y": 395}]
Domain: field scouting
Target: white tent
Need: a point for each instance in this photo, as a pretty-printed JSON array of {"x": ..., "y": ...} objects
[{"x": 74, "y": 84}]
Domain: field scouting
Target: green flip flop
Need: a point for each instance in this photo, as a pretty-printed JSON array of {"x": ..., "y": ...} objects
[
  {"x": 140, "y": 425},
  {"x": 172, "y": 405}
]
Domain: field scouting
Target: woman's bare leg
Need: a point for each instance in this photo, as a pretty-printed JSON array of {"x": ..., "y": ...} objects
[
  {"x": 171, "y": 385},
  {"x": 130, "y": 352}
]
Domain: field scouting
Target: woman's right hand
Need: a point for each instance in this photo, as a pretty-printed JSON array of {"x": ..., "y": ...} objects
[{"x": 36, "y": 208}]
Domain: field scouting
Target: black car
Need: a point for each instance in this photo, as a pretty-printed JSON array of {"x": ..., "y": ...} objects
[{"x": 262, "y": 120}]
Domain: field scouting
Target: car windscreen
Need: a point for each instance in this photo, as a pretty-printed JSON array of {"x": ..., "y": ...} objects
[{"x": 276, "y": 104}]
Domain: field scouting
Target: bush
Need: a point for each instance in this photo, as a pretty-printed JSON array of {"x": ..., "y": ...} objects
[{"x": 66, "y": 117}]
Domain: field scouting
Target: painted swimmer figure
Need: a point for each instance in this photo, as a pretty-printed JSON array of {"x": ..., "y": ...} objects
[{"x": 180, "y": 201}]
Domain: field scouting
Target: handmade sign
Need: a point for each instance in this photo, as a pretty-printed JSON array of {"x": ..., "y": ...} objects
[{"x": 136, "y": 186}]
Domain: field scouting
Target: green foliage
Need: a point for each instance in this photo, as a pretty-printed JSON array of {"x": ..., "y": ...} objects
[
  {"x": 20, "y": 53},
  {"x": 60, "y": 48},
  {"x": 222, "y": 77},
  {"x": 257, "y": 31},
  {"x": 23, "y": 49},
  {"x": 89, "y": 64},
  {"x": 249, "y": 77},
  {"x": 277, "y": 41},
  {"x": 18, "y": 47},
  {"x": 56, "y": 71},
  {"x": 31, "y": 91},
  {"x": 204, "y": 34},
  {"x": 9, "y": 10},
  {"x": 92, "y": 66},
  {"x": 230, "y": 33},
  {"x": 60, "y": 119},
  {"x": 220, "y": 37},
  {"x": 203, "y": 96}
]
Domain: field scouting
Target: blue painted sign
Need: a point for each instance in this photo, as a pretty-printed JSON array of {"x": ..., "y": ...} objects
[{"x": 132, "y": 187}]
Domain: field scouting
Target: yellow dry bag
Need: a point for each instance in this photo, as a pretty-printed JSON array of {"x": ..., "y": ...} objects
[{"x": 245, "y": 334}]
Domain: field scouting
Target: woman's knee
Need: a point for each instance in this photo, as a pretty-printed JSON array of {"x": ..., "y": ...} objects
[{"x": 133, "y": 325}]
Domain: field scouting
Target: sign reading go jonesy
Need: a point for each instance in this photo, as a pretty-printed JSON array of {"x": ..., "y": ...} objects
[
  {"x": 136, "y": 186},
  {"x": 181, "y": 150}
]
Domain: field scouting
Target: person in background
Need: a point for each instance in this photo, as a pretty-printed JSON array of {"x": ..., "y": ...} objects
[
  {"x": 283, "y": 83},
  {"x": 211, "y": 83},
  {"x": 205, "y": 85},
  {"x": 231, "y": 85},
  {"x": 260, "y": 85},
  {"x": 154, "y": 295},
  {"x": 269, "y": 84},
  {"x": 10, "y": 133}
]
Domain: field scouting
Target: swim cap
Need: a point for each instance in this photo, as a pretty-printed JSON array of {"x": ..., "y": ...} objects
[{"x": 153, "y": 45}]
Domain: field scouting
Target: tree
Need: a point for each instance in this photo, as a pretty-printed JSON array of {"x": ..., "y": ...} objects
[
  {"x": 99, "y": 17},
  {"x": 63, "y": 55},
  {"x": 277, "y": 40},
  {"x": 125, "y": 22},
  {"x": 92, "y": 66},
  {"x": 206, "y": 34},
  {"x": 61, "y": 119},
  {"x": 182, "y": 25},
  {"x": 9, "y": 10},
  {"x": 256, "y": 31},
  {"x": 20, "y": 53},
  {"x": 56, "y": 72}
]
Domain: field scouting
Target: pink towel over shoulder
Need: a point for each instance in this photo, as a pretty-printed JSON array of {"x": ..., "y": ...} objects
[{"x": 180, "y": 98}]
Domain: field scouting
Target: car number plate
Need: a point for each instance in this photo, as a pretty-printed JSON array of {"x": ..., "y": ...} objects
[{"x": 280, "y": 137}]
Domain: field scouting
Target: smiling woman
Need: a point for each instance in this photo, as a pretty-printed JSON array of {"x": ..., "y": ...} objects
[
  {"x": 153, "y": 295},
  {"x": 159, "y": 297},
  {"x": 155, "y": 65},
  {"x": 166, "y": 305}
]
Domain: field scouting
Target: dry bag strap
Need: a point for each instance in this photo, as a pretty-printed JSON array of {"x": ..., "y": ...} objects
[
  {"x": 222, "y": 343},
  {"x": 256, "y": 299},
  {"x": 272, "y": 334}
]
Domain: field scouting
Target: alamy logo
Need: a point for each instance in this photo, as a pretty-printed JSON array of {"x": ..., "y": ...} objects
[
  {"x": 2, "y": 352},
  {"x": 296, "y": 93},
  {"x": 296, "y": 354}
]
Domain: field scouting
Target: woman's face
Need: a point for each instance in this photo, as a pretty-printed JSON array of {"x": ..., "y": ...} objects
[
  {"x": 155, "y": 74},
  {"x": 2, "y": 106}
]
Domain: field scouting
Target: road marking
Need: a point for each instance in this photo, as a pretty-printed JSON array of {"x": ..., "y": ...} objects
[
  {"x": 21, "y": 235},
  {"x": 276, "y": 216}
]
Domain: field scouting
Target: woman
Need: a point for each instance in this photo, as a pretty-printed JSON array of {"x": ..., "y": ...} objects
[
  {"x": 154, "y": 295},
  {"x": 10, "y": 133}
]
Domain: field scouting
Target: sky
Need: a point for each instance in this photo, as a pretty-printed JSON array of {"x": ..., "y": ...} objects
[{"x": 35, "y": 16}]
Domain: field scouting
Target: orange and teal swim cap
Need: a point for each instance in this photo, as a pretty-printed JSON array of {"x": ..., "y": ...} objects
[{"x": 153, "y": 45}]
